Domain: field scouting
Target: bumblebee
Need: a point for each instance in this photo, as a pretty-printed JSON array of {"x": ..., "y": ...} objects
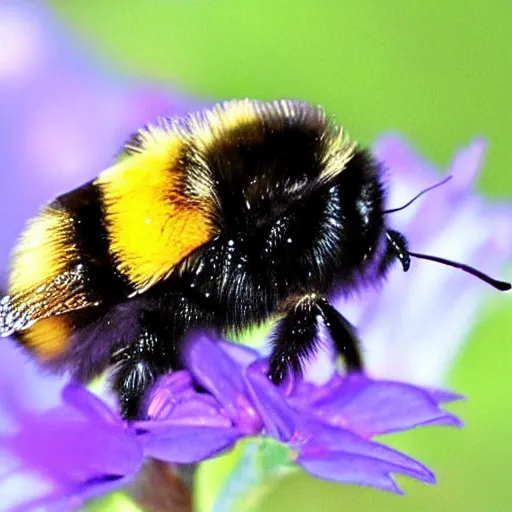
[{"x": 219, "y": 220}]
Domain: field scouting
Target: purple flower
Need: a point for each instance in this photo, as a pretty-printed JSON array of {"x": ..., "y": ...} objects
[
  {"x": 414, "y": 326},
  {"x": 81, "y": 448}
]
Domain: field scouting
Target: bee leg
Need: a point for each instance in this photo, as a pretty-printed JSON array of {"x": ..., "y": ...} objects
[
  {"x": 396, "y": 249},
  {"x": 296, "y": 337},
  {"x": 136, "y": 367},
  {"x": 343, "y": 334}
]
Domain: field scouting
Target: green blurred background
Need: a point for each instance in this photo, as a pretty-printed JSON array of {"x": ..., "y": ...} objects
[{"x": 439, "y": 73}]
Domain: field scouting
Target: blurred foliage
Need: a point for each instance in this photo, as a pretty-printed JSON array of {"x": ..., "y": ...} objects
[{"x": 437, "y": 72}]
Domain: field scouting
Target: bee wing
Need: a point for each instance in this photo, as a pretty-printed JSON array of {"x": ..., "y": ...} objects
[{"x": 50, "y": 272}]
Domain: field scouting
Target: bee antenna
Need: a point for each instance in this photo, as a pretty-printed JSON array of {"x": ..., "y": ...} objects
[
  {"x": 499, "y": 285},
  {"x": 417, "y": 196}
]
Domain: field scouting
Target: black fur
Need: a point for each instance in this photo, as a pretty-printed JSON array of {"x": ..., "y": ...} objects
[{"x": 85, "y": 207}]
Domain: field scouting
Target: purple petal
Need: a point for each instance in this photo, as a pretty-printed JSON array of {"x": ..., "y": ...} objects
[
  {"x": 467, "y": 164},
  {"x": 187, "y": 444},
  {"x": 242, "y": 355},
  {"x": 443, "y": 396},
  {"x": 370, "y": 407},
  {"x": 310, "y": 396},
  {"x": 223, "y": 378},
  {"x": 324, "y": 439},
  {"x": 175, "y": 401},
  {"x": 448, "y": 420},
  {"x": 354, "y": 469},
  {"x": 89, "y": 404},
  {"x": 278, "y": 418},
  {"x": 196, "y": 409}
]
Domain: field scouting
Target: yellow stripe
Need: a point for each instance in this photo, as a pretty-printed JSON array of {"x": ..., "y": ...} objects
[
  {"x": 152, "y": 223},
  {"x": 339, "y": 151},
  {"x": 223, "y": 121}
]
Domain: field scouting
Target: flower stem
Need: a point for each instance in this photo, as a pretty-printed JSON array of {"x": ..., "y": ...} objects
[{"x": 160, "y": 488}]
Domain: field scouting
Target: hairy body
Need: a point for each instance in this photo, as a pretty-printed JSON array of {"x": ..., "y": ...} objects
[{"x": 218, "y": 221}]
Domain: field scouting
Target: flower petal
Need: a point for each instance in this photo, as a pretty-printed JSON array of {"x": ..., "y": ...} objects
[
  {"x": 223, "y": 378},
  {"x": 324, "y": 439},
  {"x": 188, "y": 444},
  {"x": 466, "y": 165},
  {"x": 278, "y": 418},
  {"x": 370, "y": 407},
  {"x": 87, "y": 403},
  {"x": 175, "y": 401},
  {"x": 242, "y": 355},
  {"x": 350, "y": 468},
  {"x": 443, "y": 396}
]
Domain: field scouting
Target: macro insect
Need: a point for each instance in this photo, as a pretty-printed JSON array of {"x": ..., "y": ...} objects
[{"x": 218, "y": 220}]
